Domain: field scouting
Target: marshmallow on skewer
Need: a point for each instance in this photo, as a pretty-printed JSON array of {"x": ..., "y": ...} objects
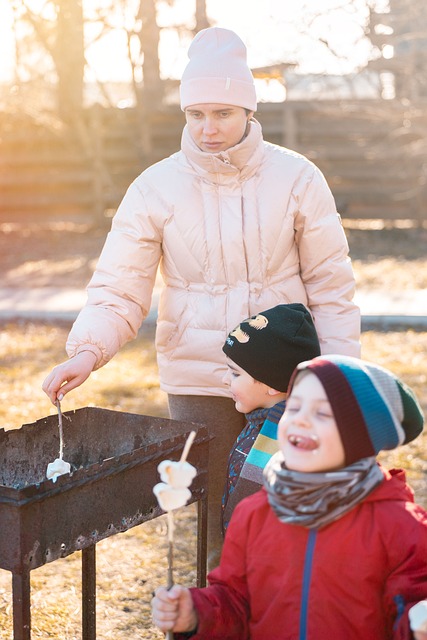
[
  {"x": 57, "y": 468},
  {"x": 176, "y": 474},
  {"x": 176, "y": 477},
  {"x": 173, "y": 493},
  {"x": 170, "y": 498}
]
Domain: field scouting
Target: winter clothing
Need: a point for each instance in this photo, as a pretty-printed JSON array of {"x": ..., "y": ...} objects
[
  {"x": 265, "y": 445},
  {"x": 269, "y": 345},
  {"x": 235, "y": 233},
  {"x": 314, "y": 500},
  {"x": 250, "y": 453},
  {"x": 373, "y": 409},
  {"x": 217, "y": 71},
  {"x": 239, "y": 452},
  {"x": 355, "y": 578}
]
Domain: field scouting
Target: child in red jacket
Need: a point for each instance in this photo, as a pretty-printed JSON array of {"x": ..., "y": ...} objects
[{"x": 333, "y": 543}]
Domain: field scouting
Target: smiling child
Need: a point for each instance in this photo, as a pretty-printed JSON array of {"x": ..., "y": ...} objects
[{"x": 333, "y": 543}]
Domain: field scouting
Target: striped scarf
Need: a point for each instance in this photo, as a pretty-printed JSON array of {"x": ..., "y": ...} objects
[
  {"x": 314, "y": 500},
  {"x": 246, "y": 463}
]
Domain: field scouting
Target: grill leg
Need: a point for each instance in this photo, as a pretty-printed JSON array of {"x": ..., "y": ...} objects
[
  {"x": 21, "y": 606},
  {"x": 202, "y": 536},
  {"x": 88, "y": 593}
]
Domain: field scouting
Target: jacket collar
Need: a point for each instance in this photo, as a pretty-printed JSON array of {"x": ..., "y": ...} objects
[
  {"x": 393, "y": 488},
  {"x": 240, "y": 161}
]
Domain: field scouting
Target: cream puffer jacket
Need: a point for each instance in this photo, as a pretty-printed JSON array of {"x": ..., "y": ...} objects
[{"x": 235, "y": 233}]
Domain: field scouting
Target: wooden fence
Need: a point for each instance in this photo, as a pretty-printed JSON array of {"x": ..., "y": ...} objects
[{"x": 373, "y": 154}]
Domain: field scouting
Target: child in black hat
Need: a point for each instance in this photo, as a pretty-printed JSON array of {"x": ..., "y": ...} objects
[
  {"x": 262, "y": 352},
  {"x": 333, "y": 545}
]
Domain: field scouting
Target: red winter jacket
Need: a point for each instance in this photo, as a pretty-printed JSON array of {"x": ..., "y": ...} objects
[{"x": 354, "y": 579}]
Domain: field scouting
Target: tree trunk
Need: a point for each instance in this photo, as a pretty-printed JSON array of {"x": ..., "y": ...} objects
[
  {"x": 202, "y": 20},
  {"x": 149, "y": 37},
  {"x": 69, "y": 59}
]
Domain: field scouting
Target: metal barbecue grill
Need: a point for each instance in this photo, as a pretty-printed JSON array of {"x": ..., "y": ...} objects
[{"x": 114, "y": 458}]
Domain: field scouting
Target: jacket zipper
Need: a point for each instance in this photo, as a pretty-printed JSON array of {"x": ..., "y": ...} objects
[
  {"x": 400, "y": 603},
  {"x": 308, "y": 566}
]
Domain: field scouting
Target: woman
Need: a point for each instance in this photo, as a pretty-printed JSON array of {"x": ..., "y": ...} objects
[{"x": 237, "y": 225}]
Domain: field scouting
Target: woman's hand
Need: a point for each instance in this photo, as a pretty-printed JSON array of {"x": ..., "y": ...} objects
[
  {"x": 69, "y": 375},
  {"x": 173, "y": 610}
]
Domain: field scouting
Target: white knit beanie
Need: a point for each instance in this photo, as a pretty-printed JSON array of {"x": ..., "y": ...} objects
[{"x": 217, "y": 71}]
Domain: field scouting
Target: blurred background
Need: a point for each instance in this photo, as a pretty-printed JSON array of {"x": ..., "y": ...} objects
[{"x": 89, "y": 96}]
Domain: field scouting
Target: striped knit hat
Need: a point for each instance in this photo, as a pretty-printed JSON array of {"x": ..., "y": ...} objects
[{"x": 373, "y": 409}]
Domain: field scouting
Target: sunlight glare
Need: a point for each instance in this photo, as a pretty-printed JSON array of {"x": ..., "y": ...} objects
[{"x": 274, "y": 31}]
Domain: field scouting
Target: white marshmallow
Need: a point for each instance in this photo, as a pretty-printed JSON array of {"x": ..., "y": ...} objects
[
  {"x": 177, "y": 474},
  {"x": 170, "y": 498},
  {"x": 57, "y": 468},
  {"x": 418, "y": 616}
]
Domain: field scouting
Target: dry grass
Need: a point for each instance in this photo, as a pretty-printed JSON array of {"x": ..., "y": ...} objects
[
  {"x": 28, "y": 352},
  {"x": 132, "y": 564}
]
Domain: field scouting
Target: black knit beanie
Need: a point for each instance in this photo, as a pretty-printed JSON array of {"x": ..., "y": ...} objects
[{"x": 269, "y": 345}]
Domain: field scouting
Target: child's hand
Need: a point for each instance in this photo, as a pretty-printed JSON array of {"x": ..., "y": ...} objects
[
  {"x": 173, "y": 610},
  {"x": 420, "y": 635}
]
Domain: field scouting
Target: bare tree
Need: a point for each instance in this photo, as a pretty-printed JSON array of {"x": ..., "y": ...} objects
[
  {"x": 202, "y": 20},
  {"x": 400, "y": 33},
  {"x": 149, "y": 38},
  {"x": 68, "y": 55},
  {"x": 56, "y": 32}
]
